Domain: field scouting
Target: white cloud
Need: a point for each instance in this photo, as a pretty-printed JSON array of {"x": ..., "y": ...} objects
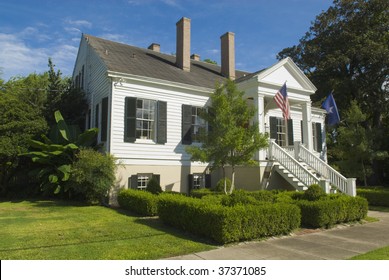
[
  {"x": 79, "y": 23},
  {"x": 17, "y": 58},
  {"x": 172, "y": 3},
  {"x": 114, "y": 37},
  {"x": 20, "y": 55},
  {"x": 72, "y": 30}
]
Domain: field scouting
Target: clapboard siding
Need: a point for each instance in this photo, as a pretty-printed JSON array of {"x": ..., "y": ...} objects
[
  {"x": 96, "y": 83},
  {"x": 172, "y": 151}
]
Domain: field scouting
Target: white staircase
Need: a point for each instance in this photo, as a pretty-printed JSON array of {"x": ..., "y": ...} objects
[{"x": 301, "y": 168}]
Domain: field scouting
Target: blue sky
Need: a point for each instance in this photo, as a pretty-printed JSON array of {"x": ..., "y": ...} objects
[{"x": 33, "y": 31}]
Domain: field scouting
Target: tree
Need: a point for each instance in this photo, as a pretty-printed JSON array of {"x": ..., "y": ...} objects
[
  {"x": 208, "y": 60},
  {"x": 54, "y": 157},
  {"x": 55, "y": 88},
  {"x": 353, "y": 147},
  {"x": 19, "y": 122},
  {"x": 63, "y": 96},
  {"x": 230, "y": 141},
  {"x": 347, "y": 50}
]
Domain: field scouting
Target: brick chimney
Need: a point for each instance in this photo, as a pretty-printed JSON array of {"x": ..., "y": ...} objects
[
  {"x": 183, "y": 44},
  {"x": 155, "y": 47},
  {"x": 228, "y": 55},
  {"x": 195, "y": 57}
]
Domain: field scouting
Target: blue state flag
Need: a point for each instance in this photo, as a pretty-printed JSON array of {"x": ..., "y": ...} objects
[{"x": 332, "y": 111}]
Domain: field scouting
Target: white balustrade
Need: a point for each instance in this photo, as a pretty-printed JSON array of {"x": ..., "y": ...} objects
[
  {"x": 291, "y": 164},
  {"x": 289, "y": 158}
]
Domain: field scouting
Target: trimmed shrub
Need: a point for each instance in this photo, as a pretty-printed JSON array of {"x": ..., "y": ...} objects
[
  {"x": 332, "y": 210},
  {"x": 141, "y": 202},
  {"x": 92, "y": 175},
  {"x": 153, "y": 186},
  {"x": 265, "y": 196},
  {"x": 238, "y": 197},
  {"x": 220, "y": 185},
  {"x": 228, "y": 224},
  {"x": 314, "y": 192},
  {"x": 199, "y": 193},
  {"x": 375, "y": 196}
]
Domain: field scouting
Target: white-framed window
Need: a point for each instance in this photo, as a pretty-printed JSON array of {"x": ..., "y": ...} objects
[
  {"x": 198, "y": 124},
  {"x": 145, "y": 119},
  {"x": 281, "y": 132},
  {"x": 142, "y": 181},
  {"x": 197, "y": 181}
]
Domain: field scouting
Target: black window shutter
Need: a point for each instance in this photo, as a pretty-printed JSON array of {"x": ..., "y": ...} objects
[
  {"x": 273, "y": 128},
  {"x": 133, "y": 182},
  {"x": 162, "y": 122},
  {"x": 89, "y": 118},
  {"x": 97, "y": 116},
  {"x": 186, "y": 124},
  {"x": 208, "y": 182},
  {"x": 190, "y": 183},
  {"x": 319, "y": 137},
  {"x": 290, "y": 132},
  {"x": 104, "y": 119},
  {"x": 157, "y": 177},
  {"x": 302, "y": 132},
  {"x": 130, "y": 119}
]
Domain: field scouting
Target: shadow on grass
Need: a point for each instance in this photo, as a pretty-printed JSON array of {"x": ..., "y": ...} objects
[
  {"x": 379, "y": 208},
  {"x": 157, "y": 224},
  {"x": 51, "y": 203}
]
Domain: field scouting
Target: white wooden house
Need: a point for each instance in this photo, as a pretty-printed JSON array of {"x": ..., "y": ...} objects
[{"x": 146, "y": 104}]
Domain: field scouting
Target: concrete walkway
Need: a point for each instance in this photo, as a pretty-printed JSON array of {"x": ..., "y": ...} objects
[{"x": 334, "y": 244}]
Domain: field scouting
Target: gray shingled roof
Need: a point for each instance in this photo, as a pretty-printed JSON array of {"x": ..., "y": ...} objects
[{"x": 128, "y": 59}]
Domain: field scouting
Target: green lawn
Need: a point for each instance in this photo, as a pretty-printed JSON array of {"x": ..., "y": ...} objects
[
  {"x": 56, "y": 230},
  {"x": 379, "y": 254}
]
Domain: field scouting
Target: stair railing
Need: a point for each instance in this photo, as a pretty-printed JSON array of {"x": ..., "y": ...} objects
[
  {"x": 345, "y": 185},
  {"x": 291, "y": 164}
]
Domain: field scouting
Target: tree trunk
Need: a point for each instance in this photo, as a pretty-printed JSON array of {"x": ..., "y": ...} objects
[{"x": 232, "y": 179}]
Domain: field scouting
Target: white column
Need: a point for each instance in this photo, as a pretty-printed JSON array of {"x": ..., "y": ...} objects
[
  {"x": 307, "y": 125},
  {"x": 259, "y": 103}
]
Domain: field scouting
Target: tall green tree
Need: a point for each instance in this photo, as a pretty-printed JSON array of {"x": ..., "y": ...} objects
[
  {"x": 353, "y": 150},
  {"x": 232, "y": 138},
  {"x": 19, "y": 122},
  {"x": 347, "y": 50}
]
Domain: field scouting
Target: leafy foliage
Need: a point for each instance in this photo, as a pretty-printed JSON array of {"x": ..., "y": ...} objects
[
  {"x": 375, "y": 196},
  {"x": 54, "y": 159},
  {"x": 227, "y": 224},
  {"x": 232, "y": 140},
  {"x": 153, "y": 186},
  {"x": 328, "y": 212},
  {"x": 19, "y": 122},
  {"x": 140, "y": 202},
  {"x": 92, "y": 175},
  {"x": 347, "y": 50},
  {"x": 314, "y": 192}
]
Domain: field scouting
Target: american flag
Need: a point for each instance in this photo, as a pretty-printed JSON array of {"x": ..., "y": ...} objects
[{"x": 281, "y": 98}]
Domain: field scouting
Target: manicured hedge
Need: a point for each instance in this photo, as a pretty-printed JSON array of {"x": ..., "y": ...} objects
[
  {"x": 375, "y": 197},
  {"x": 141, "y": 202},
  {"x": 199, "y": 193},
  {"x": 228, "y": 224},
  {"x": 332, "y": 210}
]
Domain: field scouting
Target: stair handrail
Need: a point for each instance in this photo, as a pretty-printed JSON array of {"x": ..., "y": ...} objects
[
  {"x": 345, "y": 185},
  {"x": 291, "y": 164}
]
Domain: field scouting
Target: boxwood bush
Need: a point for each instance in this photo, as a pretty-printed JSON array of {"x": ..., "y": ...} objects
[
  {"x": 332, "y": 210},
  {"x": 141, "y": 202},
  {"x": 375, "y": 196},
  {"x": 228, "y": 224}
]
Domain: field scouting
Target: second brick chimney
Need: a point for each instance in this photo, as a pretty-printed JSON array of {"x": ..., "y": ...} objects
[
  {"x": 228, "y": 55},
  {"x": 183, "y": 44}
]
